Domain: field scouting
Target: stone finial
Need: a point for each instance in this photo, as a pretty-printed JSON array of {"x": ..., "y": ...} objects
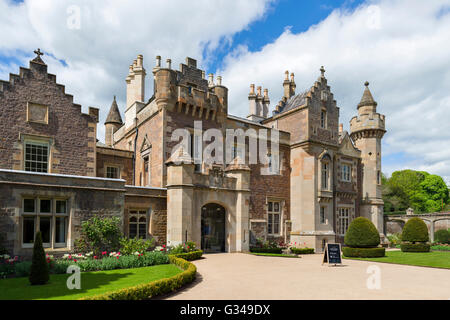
[
  {"x": 158, "y": 61},
  {"x": 366, "y": 83},
  {"x": 322, "y": 71},
  {"x": 252, "y": 89},
  {"x": 38, "y": 52},
  {"x": 169, "y": 63},
  {"x": 219, "y": 80},
  {"x": 258, "y": 89}
]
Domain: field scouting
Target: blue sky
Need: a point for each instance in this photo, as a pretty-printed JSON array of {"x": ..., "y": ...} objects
[{"x": 400, "y": 46}]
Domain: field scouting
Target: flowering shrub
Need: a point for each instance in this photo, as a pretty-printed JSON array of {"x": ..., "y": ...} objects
[
  {"x": 99, "y": 234},
  {"x": 7, "y": 265},
  {"x": 129, "y": 246}
]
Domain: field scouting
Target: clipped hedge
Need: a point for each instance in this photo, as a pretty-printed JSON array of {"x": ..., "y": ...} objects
[
  {"x": 266, "y": 250},
  {"x": 362, "y": 233},
  {"x": 442, "y": 236},
  {"x": 415, "y": 247},
  {"x": 415, "y": 230},
  {"x": 302, "y": 250},
  {"x": 154, "y": 288},
  {"x": 363, "y": 252},
  {"x": 189, "y": 256}
]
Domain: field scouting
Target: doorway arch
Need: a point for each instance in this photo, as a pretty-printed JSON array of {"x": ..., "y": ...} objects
[{"x": 213, "y": 228}]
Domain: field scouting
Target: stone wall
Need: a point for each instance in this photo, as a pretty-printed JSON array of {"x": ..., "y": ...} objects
[
  {"x": 34, "y": 107},
  {"x": 152, "y": 200},
  {"x": 86, "y": 197},
  {"x": 122, "y": 159}
]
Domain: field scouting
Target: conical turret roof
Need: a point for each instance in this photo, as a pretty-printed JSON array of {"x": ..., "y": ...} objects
[
  {"x": 367, "y": 99},
  {"x": 114, "y": 113}
]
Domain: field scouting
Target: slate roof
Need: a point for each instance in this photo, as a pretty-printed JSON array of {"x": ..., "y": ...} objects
[
  {"x": 114, "y": 114},
  {"x": 294, "y": 102}
]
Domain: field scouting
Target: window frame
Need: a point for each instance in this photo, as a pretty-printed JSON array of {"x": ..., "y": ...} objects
[
  {"x": 107, "y": 170},
  {"x": 52, "y": 215},
  {"x": 344, "y": 214},
  {"x": 33, "y": 142},
  {"x": 323, "y": 119},
  {"x": 271, "y": 215},
  {"x": 325, "y": 170},
  {"x": 346, "y": 175},
  {"x": 138, "y": 214},
  {"x": 323, "y": 215}
]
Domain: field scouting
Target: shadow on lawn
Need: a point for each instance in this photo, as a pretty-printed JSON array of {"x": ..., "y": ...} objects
[{"x": 56, "y": 288}]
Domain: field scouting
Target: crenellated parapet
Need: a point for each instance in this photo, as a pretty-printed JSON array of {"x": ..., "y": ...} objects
[
  {"x": 187, "y": 91},
  {"x": 367, "y": 126}
]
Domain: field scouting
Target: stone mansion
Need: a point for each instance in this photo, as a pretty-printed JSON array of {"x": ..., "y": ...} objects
[{"x": 55, "y": 173}]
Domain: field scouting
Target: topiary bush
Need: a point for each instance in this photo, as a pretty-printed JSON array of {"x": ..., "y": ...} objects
[
  {"x": 189, "y": 256},
  {"x": 363, "y": 252},
  {"x": 362, "y": 233},
  {"x": 415, "y": 230},
  {"x": 442, "y": 236},
  {"x": 39, "y": 273}
]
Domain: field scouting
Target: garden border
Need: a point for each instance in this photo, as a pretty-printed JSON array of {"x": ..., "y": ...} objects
[{"x": 154, "y": 288}]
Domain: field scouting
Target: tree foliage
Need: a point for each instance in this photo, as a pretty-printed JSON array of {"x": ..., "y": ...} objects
[
  {"x": 39, "y": 272},
  {"x": 419, "y": 190}
]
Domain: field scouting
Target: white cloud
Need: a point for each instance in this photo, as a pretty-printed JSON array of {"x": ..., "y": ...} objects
[
  {"x": 401, "y": 47},
  {"x": 99, "y": 47}
]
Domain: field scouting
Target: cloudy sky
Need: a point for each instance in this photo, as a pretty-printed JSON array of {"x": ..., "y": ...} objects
[{"x": 402, "y": 47}]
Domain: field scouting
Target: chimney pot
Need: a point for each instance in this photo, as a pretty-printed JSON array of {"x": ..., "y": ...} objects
[
  {"x": 219, "y": 80},
  {"x": 169, "y": 63},
  {"x": 158, "y": 61},
  {"x": 259, "y": 90},
  {"x": 341, "y": 127},
  {"x": 211, "y": 79}
]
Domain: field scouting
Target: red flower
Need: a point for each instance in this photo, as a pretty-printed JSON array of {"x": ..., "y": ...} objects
[
  {"x": 117, "y": 257},
  {"x": 104, "y": 252},
  {"x": 95, "y": 257},
  {"x": 161, "y": 250},
  {"x": 163, "y": 245},
  {"x": 74, "y": 260}
]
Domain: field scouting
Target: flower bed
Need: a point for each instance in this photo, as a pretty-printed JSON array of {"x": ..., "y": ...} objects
[
  {"x": 87, "y": 262},
  {"x": 154, "y": 288},
  {"x": 440, "y": 247}
]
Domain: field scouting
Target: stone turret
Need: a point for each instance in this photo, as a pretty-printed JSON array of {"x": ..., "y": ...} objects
[
  {"x": 367, "y": 130},
  {"x": 112, "y": 123}
]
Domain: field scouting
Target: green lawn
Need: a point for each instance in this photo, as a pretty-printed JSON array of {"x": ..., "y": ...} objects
[
  {"x": 437, "y": 259},
  {"x": 273, "y": 255},
  {"x": 92, "y": 283}
]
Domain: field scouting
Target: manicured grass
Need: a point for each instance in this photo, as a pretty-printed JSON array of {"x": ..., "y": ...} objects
[
  {"x": 274, "y": 255},
  {"x": 437, "y": 259},
  {"x": 92, "y": 283}
]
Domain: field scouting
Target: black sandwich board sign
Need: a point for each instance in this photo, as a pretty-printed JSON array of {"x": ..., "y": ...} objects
[{"x": 332, "y": 254}]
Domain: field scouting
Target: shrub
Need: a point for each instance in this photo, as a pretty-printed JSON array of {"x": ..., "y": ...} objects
[
  {"x": 190, "y": 256},
  {"x": 133, "y": 245},
  {"x": 363, "y": 252},
  {"x": 445, "y": 247},
  {"x": 302, "y": 250},
  {"x": 22, "y": 269},
  {"x": 415, "y": 247},
  {"x": 415, "y": 230},
  {"x": 100, "y": 234},
  {"x": 39, "y": 273},
  {"x": 266, "y": 250},
  {"x": 442, "y": 236},
  {"x": 362, "y": 233},
  {"x": 154, "y": 288},
  {"x": 395, "y": 239},
  {"x": 3, "y": 250}
]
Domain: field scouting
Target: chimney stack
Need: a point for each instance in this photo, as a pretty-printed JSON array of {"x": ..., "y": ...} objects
[
  {"x": 341, "y": 127},
  {"x": 211, "y": 79},
  {"x": 169, "y": 63}
]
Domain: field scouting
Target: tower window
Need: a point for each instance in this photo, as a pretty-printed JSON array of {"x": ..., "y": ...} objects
[{"x": 325, "y": 175}]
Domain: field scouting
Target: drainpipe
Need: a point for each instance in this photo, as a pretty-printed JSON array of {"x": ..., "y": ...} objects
[{"x": 134, "y": 153}]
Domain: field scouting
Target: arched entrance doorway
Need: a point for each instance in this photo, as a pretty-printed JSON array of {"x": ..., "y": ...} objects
[{"x": 213, "y": 228}]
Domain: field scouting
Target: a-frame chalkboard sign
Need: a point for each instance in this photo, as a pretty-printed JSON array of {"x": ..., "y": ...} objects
[{"x": 332, "y": 254}]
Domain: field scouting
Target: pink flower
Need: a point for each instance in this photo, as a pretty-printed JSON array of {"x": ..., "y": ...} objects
[
  {"x": 74, "y": 260},
  {"x": 104, "y": 252},
  {"x": 95, "y": 257},
  {"x": 163, "y": 245},
  {"x": 117, "y": 257}
]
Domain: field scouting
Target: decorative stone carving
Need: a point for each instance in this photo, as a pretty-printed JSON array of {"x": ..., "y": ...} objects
[{"x": 37, "y": 113}]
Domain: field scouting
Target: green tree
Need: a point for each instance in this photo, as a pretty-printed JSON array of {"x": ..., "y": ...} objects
[
  {"x": 100, "y": 234},
  {"x": 39, "y": 272}
]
